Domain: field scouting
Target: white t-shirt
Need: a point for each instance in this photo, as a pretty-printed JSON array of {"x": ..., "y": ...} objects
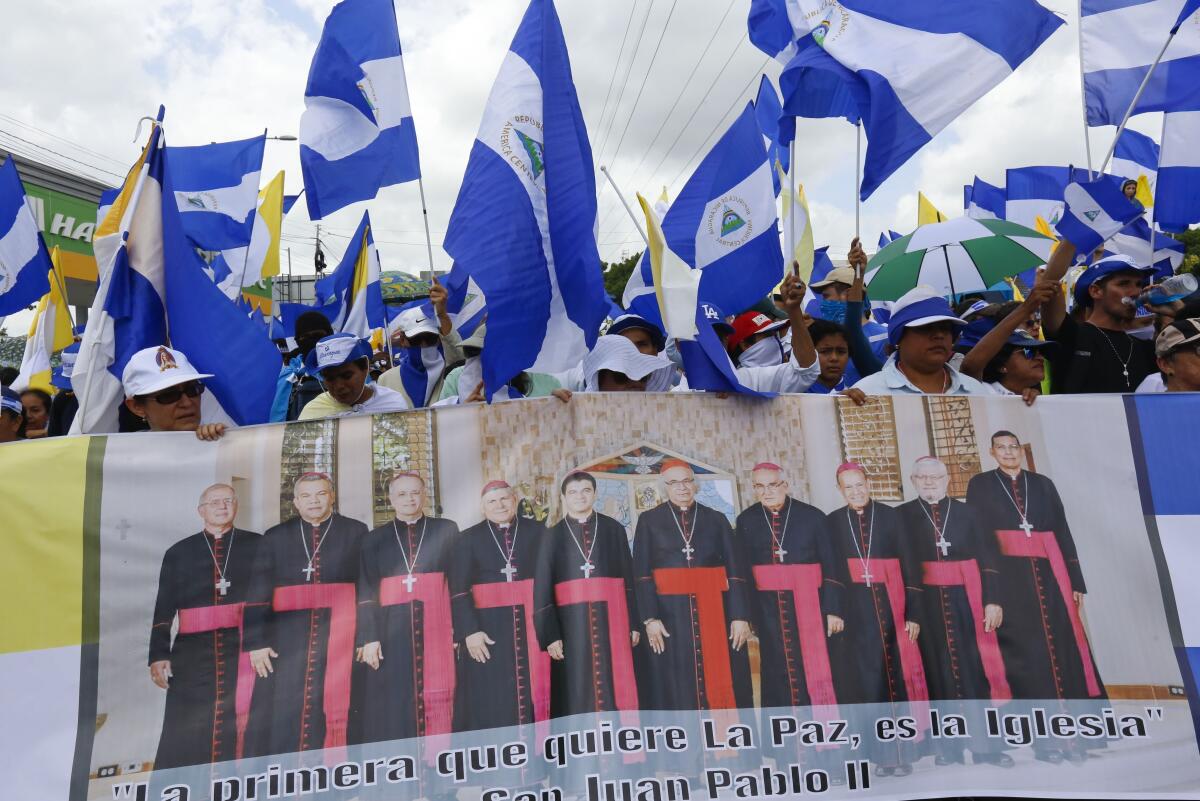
[{"x": 1152, "y": 383}]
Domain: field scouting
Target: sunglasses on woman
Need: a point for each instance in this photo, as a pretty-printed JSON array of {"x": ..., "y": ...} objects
[{"x": 193, "y": 389}]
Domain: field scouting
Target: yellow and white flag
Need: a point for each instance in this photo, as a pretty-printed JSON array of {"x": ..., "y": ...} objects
[
  {"x": 260, "y": 259},
  {"x": 49, "y": 333},
  {"x": 676, "y": 284},
  {"x": 798, "y": 243},
  {"x": 927, "y": 212}
]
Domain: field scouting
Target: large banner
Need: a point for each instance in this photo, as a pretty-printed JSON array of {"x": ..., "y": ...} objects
[{"x": 619, "y": 598}]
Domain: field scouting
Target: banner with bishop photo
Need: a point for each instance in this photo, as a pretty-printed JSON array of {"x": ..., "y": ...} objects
[{"x": 663, "y": 597}]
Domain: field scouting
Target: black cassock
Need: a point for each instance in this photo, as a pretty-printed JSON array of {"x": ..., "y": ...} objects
[
  {"x": 800, "y": 533},
  {"x": 410, "y": 691},
  {"x": 288, "y": 712},
  {"x": 677, "y": 675},
  {"x": 200, "y": 720},
  {"x": 1041, "y": 635},
  {"x": 503, "y": 690},
  {"x": 584, "y": 680}
]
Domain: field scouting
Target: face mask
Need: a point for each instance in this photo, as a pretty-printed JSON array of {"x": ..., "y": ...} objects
[
  {"x": 766, "y": 352},
  {"x": 833, "y": 310},
  {"x": 672, "y": 353}
]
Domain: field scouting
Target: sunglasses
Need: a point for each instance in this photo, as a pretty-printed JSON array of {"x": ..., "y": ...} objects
[{"x": 192, "y": 389}]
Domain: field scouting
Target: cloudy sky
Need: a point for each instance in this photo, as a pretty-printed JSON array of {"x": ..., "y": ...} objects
[{"x": 658, "y": 80}]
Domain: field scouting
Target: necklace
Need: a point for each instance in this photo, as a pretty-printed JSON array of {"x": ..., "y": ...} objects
[
  {"x": 509, "y": 571},
  {"x": 223, "y": 585},
  {"x": 945, "y": 378},
  {"x": 863, "y": 560},
  {"x": 587, "y": 567},
  {"x": 779, "y": 551},
  {"x": 687, "y": 550},
  {"x": 1025, "y": 526},
  {"x": 410, "y": 579},
  {"x": 941, "y": 543},
  {"x": 308, "y": 568},
  {"x": 1124, "y": 362}
]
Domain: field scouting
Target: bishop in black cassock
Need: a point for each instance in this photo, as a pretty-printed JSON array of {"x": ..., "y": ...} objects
[
  {"x": 877, "y": 661},
  {"x": 203, "y": 581},
  {"x": 304, "y": 577},
  {"x": 961, "y": 611},
  {"x": 586, "y": 611},
  {"x": 503, "y": 677},
  {"x": 782, "y": 531},
  {"x": 404, "y": 623},
  {"x": 684, "y": 558}
]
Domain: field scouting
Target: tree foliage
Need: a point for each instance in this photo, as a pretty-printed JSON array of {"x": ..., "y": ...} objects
[{"x": 616, "y": 275}]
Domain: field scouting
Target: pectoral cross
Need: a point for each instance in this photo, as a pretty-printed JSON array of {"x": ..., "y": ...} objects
[
  {"x": 866, "y": 576},
  {"x": 409, "y": 581},
  {"x": 509, "y": 571},
  {"x": 222, "y": 585},
  {"x": 780, "y": 552},
  {"x": 1027, "y": 527},
  {"x": 587, "y": 568},
  {"x": 308, "y": 572},
  {"x": 687, "y": 550},
  {"x": 943, "y": 545}
]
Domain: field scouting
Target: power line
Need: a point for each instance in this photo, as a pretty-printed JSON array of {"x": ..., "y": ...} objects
[
  {"x": 625, "y": 81},
  {"x": 63, "y": 139},
  {"x": 61, "y": 155},
  {"x": 616, "y": 63},
  {"x": 645, "y": 78}
]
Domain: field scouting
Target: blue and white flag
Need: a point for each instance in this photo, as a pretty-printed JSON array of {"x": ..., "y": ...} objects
[
  {"x": 705, "y": 362},
  {"x": 1136, "y": 155},
  {"x": 523, "y": 226},
  {"x": 724, "y": 222},
  {"x": 24, "y": 261},
  {"x": 1120, "y": 40},
  {"x": 1093, "y": 213},
  {"x": 1033, "y": 192},
  {"x": 912, "y": 67},
  {"x": 767, "y": 111},
  {"x": 351, "y": 296},
  {"x": 356, "y": 133},
  {"x": 464, "y": 301},
  {"x": 1177, "y": 196},
  {"x": 1134, "y": 241},
  {"x": 138, "y": 301},
  {"x": 217, "y": 191},
  {"x": 815, "y": 86},
  {"x": 986, "y": 202}
]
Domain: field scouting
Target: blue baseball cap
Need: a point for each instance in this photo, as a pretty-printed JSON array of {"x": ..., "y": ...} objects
[
  {"x": 1107, "y": 266},
  {"x": 628, "y": 321},
  {"x": 11, "y": 400},
  {"x": 978, "y": 328},
  {"x": 336, "y": 350},
  {"x": 714, "y": 316}
]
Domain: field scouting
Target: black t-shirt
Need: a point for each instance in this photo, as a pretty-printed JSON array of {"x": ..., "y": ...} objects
[{"x": 1093, "y": 359}]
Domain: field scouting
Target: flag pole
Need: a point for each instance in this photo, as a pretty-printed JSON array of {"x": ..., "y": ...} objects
[
  {"x": 1138, "y": 96},
  {"x": 1087, "y": 139},
  {"x": 637, "y": 224},
  {"x": 857, "y": 179},
  {"x": 425, "y": 216},
  {"x": 792, "y": 199},
  {"x": 246, "y": 258}
]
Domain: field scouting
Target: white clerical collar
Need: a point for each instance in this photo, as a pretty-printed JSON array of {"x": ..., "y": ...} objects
[{"x": 320, "y": 522}]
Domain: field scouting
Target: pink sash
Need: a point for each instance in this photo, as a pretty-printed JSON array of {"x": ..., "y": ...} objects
[
  {"x": 199, "y": 619},
  {"x": 965, "y": 573},
  {"x": 910, "y": 655},
  {"x": 520, "y": 593},
  {"x": 339, "y": 652},
  {"x": 1044, "y": 545},
  {"x": 804, "y": 583},
  {"x": 707, "y": 585},
  {"x": 609, "y": 591}
]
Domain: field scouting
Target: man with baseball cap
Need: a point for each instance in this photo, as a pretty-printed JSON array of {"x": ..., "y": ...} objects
[
  {"x": 295, "y": 387},
  {"x": 755, "y": 340},
  {"x": 1178, "y": 350},
  {"x": 342, "y": 361},
  {"x": 424, "y": 344},
  {"x": 163, "y": 389},
  {"x": 841, "y": 294},
  {"x": 1098, "y": 354},
  {"x": 922, "y": 330}
]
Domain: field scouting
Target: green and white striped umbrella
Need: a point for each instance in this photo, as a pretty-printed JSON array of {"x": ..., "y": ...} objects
[{"x": 957, "y": 256}]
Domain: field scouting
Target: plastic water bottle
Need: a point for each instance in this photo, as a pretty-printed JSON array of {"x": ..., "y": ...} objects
[{"x": 1177, "y": 287}]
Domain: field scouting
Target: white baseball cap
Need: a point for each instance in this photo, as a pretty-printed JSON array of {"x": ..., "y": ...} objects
[
  {"x": 414, "y": 322},
  {"x": 154, "y": 369}
]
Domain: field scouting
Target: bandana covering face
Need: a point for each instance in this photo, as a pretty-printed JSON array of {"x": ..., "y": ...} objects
[
  {"x": 420, "y": 369},
  {"x": 833, "y": 310},
  {"x": 767, "y": 352}
]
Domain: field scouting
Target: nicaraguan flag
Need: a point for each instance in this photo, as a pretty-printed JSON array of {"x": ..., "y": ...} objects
[
  {"x": 137, "y": 295},
  {"x": 259, "y": 258},
  {"x": 217, "y": 189},
  {"x": 356, "y": 133},
  {"x": 24, "y": 261},
  {"x": 1136, "y": 155},
  {"x": 986, "y": 202},
  {"x": 706, "y": 363},
  {"x": 911, "y": 67},
  {"x": 816, "y": 86},
  {"x": 523, "y": 226},
  {"x": 1033, "y": 192},
  {"x": 724, "y": 223},
  {"x": 464, "y": 301},
  {"x": 1134, "y": 241},
  {"x": 1093, "y": 213},
  {"x": 1120, "y": 40},
  {"x": 351, "y": 296},
  {"x": 767, "y": 111},
  {"x": 1177, "y": 196}
]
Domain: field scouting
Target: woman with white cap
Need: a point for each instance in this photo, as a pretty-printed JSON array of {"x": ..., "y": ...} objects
[
  {"x": 163, "y": 389},
  {"x": 343, "y": 362}
]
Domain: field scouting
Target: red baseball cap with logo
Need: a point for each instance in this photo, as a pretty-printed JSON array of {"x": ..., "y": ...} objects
[{"x": 747, "y": 324}]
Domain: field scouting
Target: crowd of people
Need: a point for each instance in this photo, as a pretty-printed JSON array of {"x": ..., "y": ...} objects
[{"x": 1118, "y": 334}]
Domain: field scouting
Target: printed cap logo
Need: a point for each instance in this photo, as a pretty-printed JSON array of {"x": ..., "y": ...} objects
[{"x": 165, "y": 360}]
